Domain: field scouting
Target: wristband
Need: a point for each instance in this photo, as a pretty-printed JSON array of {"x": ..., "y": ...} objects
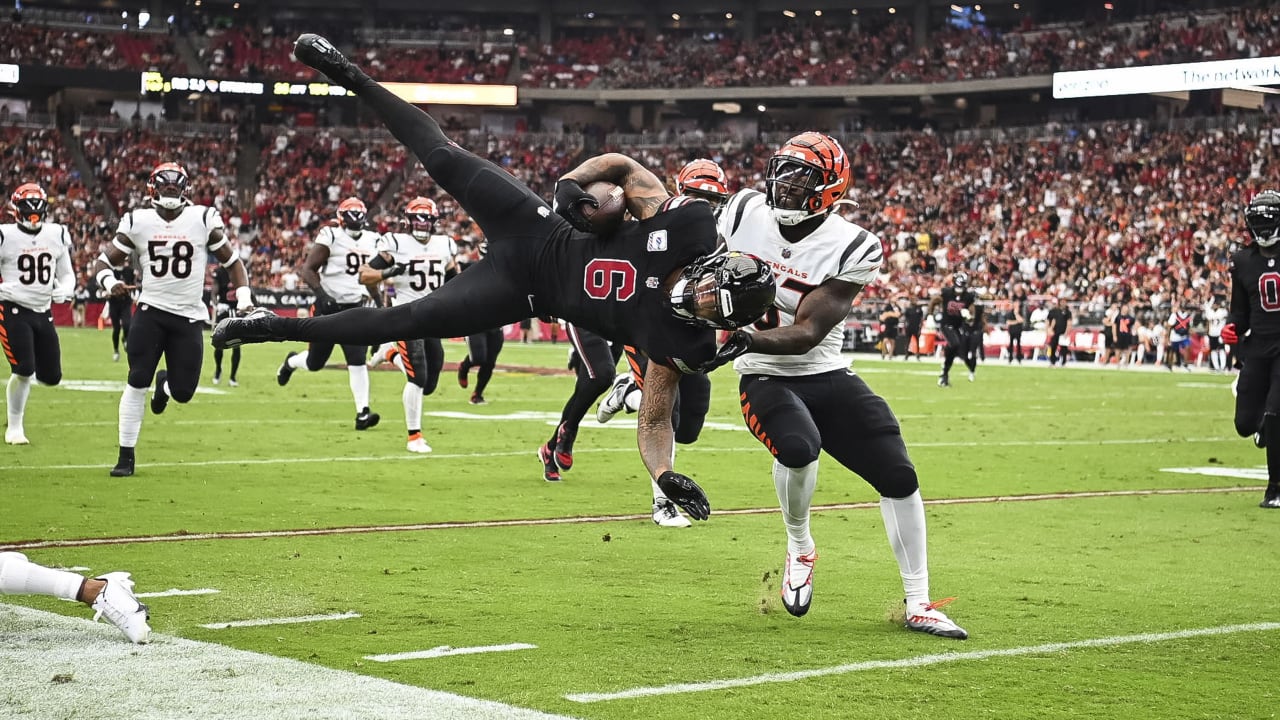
[{"x": 244, "y": 297}]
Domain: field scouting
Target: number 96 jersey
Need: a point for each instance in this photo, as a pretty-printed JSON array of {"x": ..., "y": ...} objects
[
  {"x": 32, "y": 264},
  {"x": 173, "y": 256},
  {"x": 425, "y": 263}
]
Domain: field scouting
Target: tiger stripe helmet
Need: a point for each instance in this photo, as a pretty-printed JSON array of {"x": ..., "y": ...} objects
[
  {"x": 352, "y": 213},
  {"x": 167, "y": 186},
  {"x": 704, "y": 179},
  {"x": 806, "y": 177},
  {"x": 30, "y": 204},
  {"x": 422, "y": 215}
]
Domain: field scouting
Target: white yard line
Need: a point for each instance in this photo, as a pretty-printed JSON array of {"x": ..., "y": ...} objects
[
  {"x": 919, "y": 661},
  {"x": 107, "y": 678},
  {"x": 531, "y": 453},
  {"x": 582, "y": 519},
  {"x": 174, "y": 592},
  {"x": 281, "y": 621},
  {"x": 446, "y": 651}
]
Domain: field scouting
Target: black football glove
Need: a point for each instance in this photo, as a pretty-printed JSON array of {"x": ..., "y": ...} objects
[
  {"x": 394, "y": 270},
  {"x": 683, "y": 491},
  {"x": 738, "y": 343},
  {"x": 325, "y": 304},
  {"x": 568, "y": 202}
]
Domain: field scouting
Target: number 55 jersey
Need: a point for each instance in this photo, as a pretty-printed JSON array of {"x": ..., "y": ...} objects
[
  {"x": 174, "y": 255},
  {"x": 425, "y": 263}
]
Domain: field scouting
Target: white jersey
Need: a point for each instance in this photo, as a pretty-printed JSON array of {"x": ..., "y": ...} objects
[
  {"x": 174, "y": 255},
  {"x": 340, "y": 275},
  {"x": 35, "y": 267},
  {"x": 838, "y": 249},
  {"x": 1216, "y": 319},
  {"x": 425, "y": 263}
]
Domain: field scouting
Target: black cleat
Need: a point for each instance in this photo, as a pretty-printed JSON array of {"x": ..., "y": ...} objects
[
  {"x": 944, "y": 381},
  {"x": 160, "y": 398},
  {"x": 564, "y": 448},
  {"x": 252, "y": 328},
  {"x": 464, "y": 368},
  {"x": 366, "y": 419},
  {"x": 316, "y": 52},
  {"x": 1271, "y": 500},
  {"x": 286, "y": 371},
  {"x": 124, "y": 465}
]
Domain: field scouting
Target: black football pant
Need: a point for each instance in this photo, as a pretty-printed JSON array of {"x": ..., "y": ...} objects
[
  {"x": 482, "y": 353},
  {"x": 422, "y": 360},
  {"x": 1258, "y": 402},
  {"x": 796, "y": 417},
  {"x": 693, "y": 398},
  {"x": 1056, "y": 349},
  {"x": 120, "y": 311},
  {"x": 594, "y": 360},
  {"x": 154, "y": 333},
  {"x": 961, "y": 342},
  {"x": 1015, "y": 339},
  {"x": 318, "y": 352},
  {"x": 217, "y": 352},
  {"x": 494, "y": 292},
  {"x": 30, "y": 343}
]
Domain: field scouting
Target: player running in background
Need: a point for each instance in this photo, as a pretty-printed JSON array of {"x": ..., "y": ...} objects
[
  {"x": 223, "y": 292},
  {"x": 35, "y": 271},
  {"x": 110, "y": 595},
  {"x": 483, "y": 349},
  {"x": 798, "y": 395},
  {"x": 960, "y": 313},
  {"x": 593, "y": 360},
  {"x": 332, "y": 271},
  {"x": 654, "y": 283},
  {"x": 1179, "y": 338},
  {"x": 1253, "y": 324},
  {"x": 418, "y": 263},
  {"x": 173, "y": 240},
  {"x": 119, "y": 308}
]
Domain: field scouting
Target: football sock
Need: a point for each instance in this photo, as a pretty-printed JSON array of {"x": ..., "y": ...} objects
[
  {"x": 235, "y": 361},
  {"x": 398, "y": 361},
  {"x": 19, "y": 576},
  {"x": 795, "y": 487},
  {"x": 15, "y": 395},
  {"x": 412, "y": 397},
  {"x": 298, "y": 362},
  {"x": 217, "y": 362},
  {"x": 131, "y": 404},
  {"x": 358, "y": 377},
  {"x": 947, "y": 363},
  {"x": 904, "y": 524},
  {"x": 482, "y": 377},
  {"x": 1271, "y": 433}
]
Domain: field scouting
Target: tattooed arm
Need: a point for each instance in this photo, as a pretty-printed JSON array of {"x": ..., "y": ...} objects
[{"x": 643, "y": 190}]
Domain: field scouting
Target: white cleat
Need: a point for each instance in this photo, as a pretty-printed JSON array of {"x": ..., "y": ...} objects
[
  {"x": 117, "y": 603},
  {"x": 797, "y": 582},
  {"x": 418, "y": 445},
  {"x": 665, "y": 514},
  {"x": 614, "y": 401},
  {"x": 15, "y": 436},
  {"x": 381, "y": 355},
  {"x": 971, "y": 375},
  {"x": 927, "y": 618}
]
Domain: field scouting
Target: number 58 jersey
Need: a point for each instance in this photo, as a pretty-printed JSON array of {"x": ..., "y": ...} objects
[
  {"x": 424, "y": 262},
  {"x": 838, "y": 250},
  {"x": 173, "y": 255}
]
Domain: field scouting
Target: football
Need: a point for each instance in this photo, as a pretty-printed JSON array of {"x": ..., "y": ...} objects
[{"x": 608, "y": 216}]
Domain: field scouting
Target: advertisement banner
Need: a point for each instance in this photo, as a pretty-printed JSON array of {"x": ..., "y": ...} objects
[{"x": 1167, "y": 78}]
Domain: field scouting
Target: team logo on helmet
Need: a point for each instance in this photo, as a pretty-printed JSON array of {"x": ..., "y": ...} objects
[
  {"x": 703, "y": 179},
  {"x": 724, "y": 291},
  {"x": 30, "y": 204},
  {"x": 168, "y": 185},
  {"x": 352, "y": 213},
  {"x": 806, "y": 177},
  {"x": 1262, "y": 215},
  {"x": 422, "y": 216}
]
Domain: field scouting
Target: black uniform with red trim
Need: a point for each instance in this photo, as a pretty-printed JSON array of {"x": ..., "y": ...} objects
[{"x": 1255, "y": 309}]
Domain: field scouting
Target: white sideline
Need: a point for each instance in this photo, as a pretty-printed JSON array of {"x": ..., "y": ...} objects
[
  {"x": 281, "y": 621},
  {"x": 530, "y": 453},
  {"x": 919, "y": 661},
  {"x": 174, "y": 592},
  {"x": 57, "y": 666},
  {"x": 446, "y": 651}
]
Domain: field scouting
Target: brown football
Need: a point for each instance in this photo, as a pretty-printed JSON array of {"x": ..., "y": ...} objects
[{"x": 608, "y": 216}]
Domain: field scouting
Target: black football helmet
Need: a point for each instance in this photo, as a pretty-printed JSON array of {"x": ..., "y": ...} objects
[
  {"x": 731, "y": 289},
  {"x": 1263, "y": 218},
  {"x": 960, "y": 280}
]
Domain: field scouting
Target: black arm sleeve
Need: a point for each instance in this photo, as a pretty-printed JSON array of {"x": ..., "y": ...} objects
[{"x": 379, "y": 263}]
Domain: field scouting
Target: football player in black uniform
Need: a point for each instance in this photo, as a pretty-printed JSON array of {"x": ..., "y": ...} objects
[
  {"x": 224, "y": 302},
  {"x": 119, "y": 309},
  {"x": 1254, "y": 323},
  {"x": 961, "y": 326},
  {"x": 653, "y": 283}
]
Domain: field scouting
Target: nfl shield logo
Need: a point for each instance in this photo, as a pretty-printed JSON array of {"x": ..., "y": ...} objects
[
  {"x": 786, "y": 253},
  {"x": 657, "y": 241}
]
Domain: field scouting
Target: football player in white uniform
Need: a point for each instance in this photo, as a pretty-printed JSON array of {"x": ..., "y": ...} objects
[
  {"x": 35, "y": 271},
  {"x": 419, "y": 261},
  {"x": 798, "y": 395},
  {"x": 173, "y": 239},
  {"x": 111, "y": 595},
  {"x": 332, "y": 270}
]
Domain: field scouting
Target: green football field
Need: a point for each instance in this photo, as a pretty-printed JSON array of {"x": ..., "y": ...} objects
[{"x": 1099, "y": 529}]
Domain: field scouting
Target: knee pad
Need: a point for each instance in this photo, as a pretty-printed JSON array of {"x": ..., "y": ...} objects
[
  {"x": 140, "y": 379},
  {"x": 897, "y": 480},
  {"x": 181, "y": 395},
  {"x": 49, "y": 379},
  {"x": 315, "y": 364},
  {"x": 794, "y": 450},
  {"x": 428, "y": 384}
]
